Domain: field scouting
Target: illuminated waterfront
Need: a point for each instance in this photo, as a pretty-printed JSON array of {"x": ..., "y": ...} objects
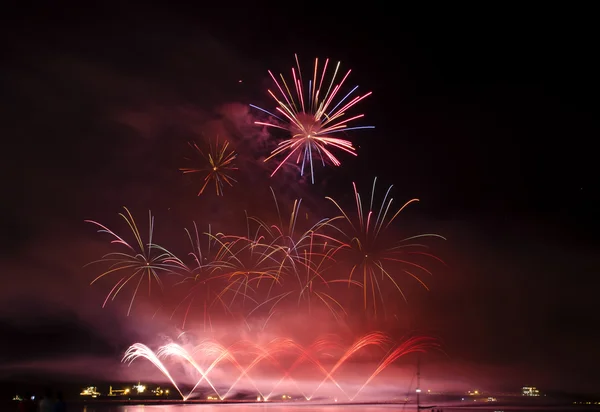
[{"x": 298, "y": 408}]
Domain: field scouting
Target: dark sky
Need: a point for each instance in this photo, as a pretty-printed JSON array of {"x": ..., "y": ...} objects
[{"x": 485, "y": 115}]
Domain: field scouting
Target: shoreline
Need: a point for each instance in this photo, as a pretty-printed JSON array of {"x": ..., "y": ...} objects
[{"x": 459, "y": 405}]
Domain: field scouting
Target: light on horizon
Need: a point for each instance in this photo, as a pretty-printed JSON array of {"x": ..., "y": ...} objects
[
  {"x": 90, "y": 391},
  {"x": 530, "y": 391}
]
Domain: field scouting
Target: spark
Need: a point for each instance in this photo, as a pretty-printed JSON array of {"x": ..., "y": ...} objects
[
  {"x": 140, "y": 260},
  {"x": 417, "y": 344},
  {"x": 213, "y": 353},
  {"x": 371, "y": 253},
  {"x": 311, "y": 113},
  {"x": 216, "y": 166},
  {"x": 138, "y": 350},
  {"x": 196, "y": 281},
  {"x": 300, "y": 256}
]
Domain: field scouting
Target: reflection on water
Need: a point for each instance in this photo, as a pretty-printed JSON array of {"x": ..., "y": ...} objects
[
  {"x": 293, "y": 408},
  {"x": 246, "y": 408}
]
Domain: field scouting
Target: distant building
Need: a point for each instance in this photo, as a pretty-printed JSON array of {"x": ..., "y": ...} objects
[
  {"x": 90, "y": 391},
  {"x": 138, "y": 390},
  {"x": 118, "y": 392},
  {"x": 160, "y": 392},
  {"x": 530, "y": 391}
]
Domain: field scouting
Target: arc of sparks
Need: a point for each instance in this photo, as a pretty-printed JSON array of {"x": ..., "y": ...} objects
[
  {"x": 211, "y": 348},
  {"x": 144, "y": 260}
]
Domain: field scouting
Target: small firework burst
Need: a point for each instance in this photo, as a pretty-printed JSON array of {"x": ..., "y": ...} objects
[{"x": 216, "y": 165}]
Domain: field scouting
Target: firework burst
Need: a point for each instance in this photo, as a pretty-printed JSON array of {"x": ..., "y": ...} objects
[
  {"x": 216, "y": 166},
  {"x": 375, "y": 258},
  {"x": 284, "y": 265},
  {"x": 311, "y": 113},
  {"x": 302, "y": 258},
  {"x": 199, "y": 290},
  {"x": 242, "y": 263},
  {"x": 140, "y": 260}
]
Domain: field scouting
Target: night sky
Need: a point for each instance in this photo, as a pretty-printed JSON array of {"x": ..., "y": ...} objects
[{"x": 484, "y": 115}]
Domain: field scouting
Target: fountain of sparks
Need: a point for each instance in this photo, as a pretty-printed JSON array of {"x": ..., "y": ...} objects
[{"x": 208, "y": 359}]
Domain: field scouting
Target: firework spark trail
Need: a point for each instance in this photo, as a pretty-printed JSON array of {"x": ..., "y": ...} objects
[
  {"x": 139, "y": 350},
  {"x": 277, "y": 255},
  {"x": 226, "y": 354},
  {"x": 411, "y": 345},
  {"x": 269, "y": 253},
  {"x": 199, "y": 275},
  {"x": 281, "y": 240},
  {"x": 303, "y": 354},
  {"x": 140, "y": 261},
  {"x": 376, "y": 338},
  {"x": 310, "y": 116},
  {"x": 371, "y": 252},
  {"x": 307, "y": 354},
  {"x": 283, "y": 244},
  {"x": 299, "y": 256},
  {"x": 210, "y": 348},
  {"x": 279, "y": 345},
  {"x": 242, "y": 261},
  {"x": 217, "y": 165},
  {"x": 175, "y": 350},
  {"x": 273, "y": 347}
]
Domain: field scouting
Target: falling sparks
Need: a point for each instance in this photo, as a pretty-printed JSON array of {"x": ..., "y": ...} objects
[
  {"x": 372, "y": 253},
  {"x": 137, "y": 261},
  {"x": 275, "y": 264}
]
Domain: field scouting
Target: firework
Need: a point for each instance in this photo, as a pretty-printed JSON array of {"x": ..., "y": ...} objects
[
  {"x": 216, "y": 166},
  {"x": 210, "y": 348},
  {"x": 196, "y": 279},
  {"x": 242, "y": 263},
  {"x": 173, "y": 349},
  {"x": 246, "y": 356},
  {"x": 139, "y": 350},
  {"x": 298, "y": 260},
  {"x": 371, "y": 252},
  {"x": 264, "y": 256},
  {"x": 418, "y": 344},
  {"x": 274, "y": 265},
  {"x": 300, "y": 257},
  {"x": 137, "y": 261},
  {"x": 311, "y": 113}
]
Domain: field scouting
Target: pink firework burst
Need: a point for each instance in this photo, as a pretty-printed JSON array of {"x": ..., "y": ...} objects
[{"x": 312, "y": 112}]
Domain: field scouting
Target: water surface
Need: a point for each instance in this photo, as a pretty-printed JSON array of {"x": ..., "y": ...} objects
[{"x": 300, "y": 408}]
